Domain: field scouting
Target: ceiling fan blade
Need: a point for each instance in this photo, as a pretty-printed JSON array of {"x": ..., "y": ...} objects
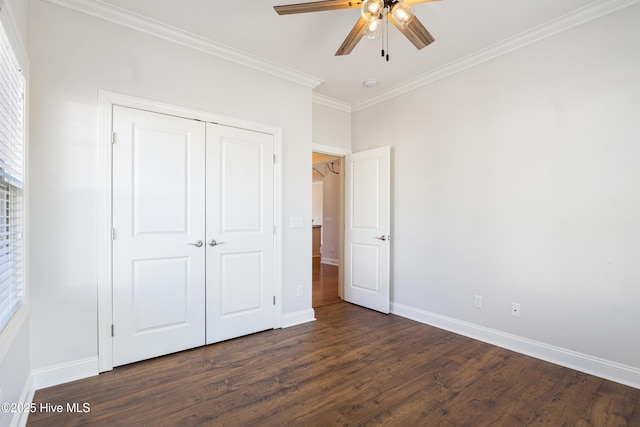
[
  {"x": 316, "y": 6},
  {"x": 353, "y": 38},
  {"x": 415, "y": 32}
]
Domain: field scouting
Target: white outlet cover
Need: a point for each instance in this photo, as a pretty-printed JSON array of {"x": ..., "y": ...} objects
[
  {"x": 515, "y": 309},
  {"x": 477, "y": 301}
]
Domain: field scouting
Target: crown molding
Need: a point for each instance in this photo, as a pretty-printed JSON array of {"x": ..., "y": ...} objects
[
  {"x": 555, "y": 26},
  {"x": 331, "y": 102},
  {"x": 116, "y": 15}
]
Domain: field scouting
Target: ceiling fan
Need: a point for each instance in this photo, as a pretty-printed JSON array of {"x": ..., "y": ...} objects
[{"x": 400, "y": 14}]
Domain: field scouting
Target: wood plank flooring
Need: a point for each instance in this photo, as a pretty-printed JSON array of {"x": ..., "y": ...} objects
[
  {"x": 324, "y": 285},
  {"x": 351, "y": 367}
]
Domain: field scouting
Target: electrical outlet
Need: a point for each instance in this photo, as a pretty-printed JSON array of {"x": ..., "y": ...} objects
[
  {"x": 515, "y": 309},
  {"x": 300, "y": 291},
  {"x": 477, "y": 301}
]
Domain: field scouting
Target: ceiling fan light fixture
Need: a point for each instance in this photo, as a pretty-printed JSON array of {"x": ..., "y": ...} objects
[
  {"x": 403, "y": 14},
  {"x": 371, "y": 10},
  {"x": 372, "y": 28}
]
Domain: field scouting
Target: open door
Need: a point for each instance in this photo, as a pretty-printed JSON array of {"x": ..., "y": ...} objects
[{"x": 367, "y": 228}]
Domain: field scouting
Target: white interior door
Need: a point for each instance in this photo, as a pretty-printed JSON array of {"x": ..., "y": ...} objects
[
  {"x": 367, "y": 228},
  {"x": 240, "y": 234},
  {"x": 158, "y": 218}
]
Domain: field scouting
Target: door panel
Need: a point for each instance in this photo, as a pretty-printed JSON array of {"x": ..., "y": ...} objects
[
  {"x": 168, "y": 277},
  {"x": 158, "y": 212},
  {"x": 241, "y": 180},
  {"x": 365, "y": 190},
  {"x": 367, "y": 228},
  {"x": 240, "y": 271},
  {"x": 365, "y": 271},
  {"x": 160, "y": 182},
  {"x": 241, "y": 274}
]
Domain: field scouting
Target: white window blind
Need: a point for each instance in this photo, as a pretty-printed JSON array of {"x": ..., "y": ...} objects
[{"x": 11, "y": 181}]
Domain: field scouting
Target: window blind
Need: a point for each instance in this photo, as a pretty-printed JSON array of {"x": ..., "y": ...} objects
[{"x": 11, "y": 181}]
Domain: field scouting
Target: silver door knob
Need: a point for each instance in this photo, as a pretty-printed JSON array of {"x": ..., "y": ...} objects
[
  {"x": 383, "y": 237},
  {"x": 197, "y": 244},
  {"x": 213, "y": 242}
]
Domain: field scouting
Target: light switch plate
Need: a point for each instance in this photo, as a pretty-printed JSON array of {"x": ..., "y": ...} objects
[{"x": 297, "y": 222}]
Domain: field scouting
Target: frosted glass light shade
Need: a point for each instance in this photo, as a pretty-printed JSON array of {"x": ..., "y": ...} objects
[
  {"x": 403, "y": 14},
  {"x": 371, "y": 9},
  {"x": 372, "y": 28}
]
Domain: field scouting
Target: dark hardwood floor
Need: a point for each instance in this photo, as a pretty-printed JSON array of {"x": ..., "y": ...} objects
[
  {"x": 352, "y": 366},
  {"x": 325, "y": 284}
]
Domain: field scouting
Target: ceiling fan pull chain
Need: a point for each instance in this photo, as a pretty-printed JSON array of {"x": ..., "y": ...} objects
[
  {"x": 382, "y": 37},
  {"x": 387, "y": 38}
]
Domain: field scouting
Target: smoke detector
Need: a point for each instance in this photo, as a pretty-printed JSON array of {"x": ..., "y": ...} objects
[{"x": 369, "y": 83}]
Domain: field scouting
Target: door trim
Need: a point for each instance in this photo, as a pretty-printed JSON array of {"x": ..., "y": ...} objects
[
  {"x": 106, "y": 101},
  {"x": 339, "y": 152}
]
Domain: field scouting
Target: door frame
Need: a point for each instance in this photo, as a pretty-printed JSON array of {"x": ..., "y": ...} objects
[
  {"x": 339, "y": 152},
  {"x": 107, "y": 100}
]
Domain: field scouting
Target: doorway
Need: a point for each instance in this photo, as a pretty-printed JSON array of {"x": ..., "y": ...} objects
[
  {"x": 327, "y": 195},
  {"x": 365, "y": 225}
]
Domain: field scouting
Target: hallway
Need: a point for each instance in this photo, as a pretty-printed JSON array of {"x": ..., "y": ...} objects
[{"x": 325, "y": 284}]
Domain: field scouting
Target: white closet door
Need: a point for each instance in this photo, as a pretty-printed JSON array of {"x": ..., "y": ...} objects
[
  {"x": 240, "y": 235},
  {"x": 158, "y": 219}
]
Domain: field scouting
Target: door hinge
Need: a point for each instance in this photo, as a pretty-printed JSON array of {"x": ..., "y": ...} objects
[
  {"x": 112, "y": 330},
  {"x": 274, "y": 300},
  {"x": 274, "y": 159},
  {"x": 113, "y": 137},
  {"x": 113, "y": 234}
]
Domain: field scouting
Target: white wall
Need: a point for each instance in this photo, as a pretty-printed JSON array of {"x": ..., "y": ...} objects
[
  {"x": 15, "y": 367},
  {"x": 518, "y": 180},
  {"x": 73, "y": 57},
  {"x": 331, "y": 126}
]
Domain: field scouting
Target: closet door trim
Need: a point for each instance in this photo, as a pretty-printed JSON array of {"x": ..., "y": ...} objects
[{"x": 107, "y": 100}]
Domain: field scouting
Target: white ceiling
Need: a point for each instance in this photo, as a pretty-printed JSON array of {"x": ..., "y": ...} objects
[{"x": 465, "y": 31}]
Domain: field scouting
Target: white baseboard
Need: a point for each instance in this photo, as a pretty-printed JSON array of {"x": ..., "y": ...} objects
[
  {"x": 592, "y": 365},
  {"x": 26, "y": 398},
  {"x": 330, "y": 261},
  {"x": 298, "y": 317},
  {"x": 65, "y": 372}
]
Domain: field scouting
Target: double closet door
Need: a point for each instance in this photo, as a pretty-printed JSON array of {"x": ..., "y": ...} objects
[{"x": 193, "y": 244}]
